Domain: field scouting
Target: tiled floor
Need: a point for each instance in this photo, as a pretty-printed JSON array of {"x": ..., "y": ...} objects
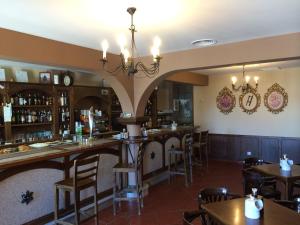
[{"x": 166, "y": 202}]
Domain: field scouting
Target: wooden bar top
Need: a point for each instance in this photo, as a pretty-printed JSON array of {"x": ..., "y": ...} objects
[
  {"x": 47, "y": 153},
  {"x": 231, "y": 212}
]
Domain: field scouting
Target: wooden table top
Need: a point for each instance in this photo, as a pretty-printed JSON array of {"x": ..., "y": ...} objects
[
  {"x": 274, "y": 170},
  {"x": 231, "y": 212}
]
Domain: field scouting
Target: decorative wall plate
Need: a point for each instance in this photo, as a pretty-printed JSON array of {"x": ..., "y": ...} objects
[
  {"x": 276, "y": 99},
  {"x": 250, "y": 101},
  {"x": 225, "y": 100}
]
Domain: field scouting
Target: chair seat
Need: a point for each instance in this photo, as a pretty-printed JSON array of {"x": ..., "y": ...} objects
[
  {"x": 68, "y": 183},
  {"x": 123, "y": 168}
]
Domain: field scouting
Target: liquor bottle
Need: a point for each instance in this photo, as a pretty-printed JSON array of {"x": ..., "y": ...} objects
[
  {"x": 35, "y": 101},
  {"x": 43, "y": 100},
  {"x": 21, "y": 99},
  {"x": 49, "y": 116},
  {"x": 62, "y": 115},
  {"x": 62, "y": 99},
  {"x": 65, "y": 99},
  {"x": 13, "y": 118},
  {"x": 29, "y": 117},
  {"x": 29, "y": 100},
  {"x": 22, "y": 116}
]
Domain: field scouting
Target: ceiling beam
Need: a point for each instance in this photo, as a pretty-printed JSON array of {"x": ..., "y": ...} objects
[{"x": 189, "y": 78}]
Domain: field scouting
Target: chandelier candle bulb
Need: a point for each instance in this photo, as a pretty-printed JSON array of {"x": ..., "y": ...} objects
[
  {"x": 256, "y": 78},
  {"x": 234, "y": 80},
  {"x": 247, "y": 79},
  {"x": 126, "y": 55},
  {"x": 104, "y": 48}
]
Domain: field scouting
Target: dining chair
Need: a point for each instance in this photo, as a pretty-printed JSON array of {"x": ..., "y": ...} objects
[
  {"x": 209, "y": 195},
  {"x": 191, "y": 217},
  {"x": 266, "y": 185},
  {"x": 293, "y": 205},
  {"x": 85, "y": 176},
  {"x": 295, "y": 184}
]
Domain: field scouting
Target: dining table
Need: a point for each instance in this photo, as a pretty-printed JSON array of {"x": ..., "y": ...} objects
[
  {"x": 287, "y": 177},
  {"x": 231, "y": 212}
]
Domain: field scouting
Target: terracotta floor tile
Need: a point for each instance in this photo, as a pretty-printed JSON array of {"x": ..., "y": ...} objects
[{"x": 166, "y": 202}]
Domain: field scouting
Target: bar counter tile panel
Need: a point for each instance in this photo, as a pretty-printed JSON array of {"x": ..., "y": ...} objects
[{"x": 153, "y": 157}]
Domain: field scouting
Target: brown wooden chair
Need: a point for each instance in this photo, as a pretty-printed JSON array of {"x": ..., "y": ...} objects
[
  {"x": 85, "y": 176},
  {"x": 122, "y": 191},
  {"x": 293, "y": 205},
  {"x": 191, "y": 216},
  {"x": 186, "y": 153},
  {"x": 266, "y": 185},
  {"x": 202, "y": 146},
  {"x": 209, "y": 195}
]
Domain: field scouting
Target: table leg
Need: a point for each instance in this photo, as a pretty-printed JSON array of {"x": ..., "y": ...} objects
[{"x": 288, "y": 190}]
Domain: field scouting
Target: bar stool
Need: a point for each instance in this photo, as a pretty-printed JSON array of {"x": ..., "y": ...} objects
[
  {"x": 85, "y": 176},
  {"x": 202, "y": 146},
  {"x": 186, "y": 153},
  {"x": 130, "y": 192}
]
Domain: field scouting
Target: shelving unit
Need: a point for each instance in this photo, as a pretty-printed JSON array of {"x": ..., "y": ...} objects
[{"x": 77, "y": 98}]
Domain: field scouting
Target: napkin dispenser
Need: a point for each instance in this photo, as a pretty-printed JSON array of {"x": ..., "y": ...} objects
[
  {"x": 286, "y": 164},
  {"x": 253, "y": 206},
  {"x": 174, "y": 125}
]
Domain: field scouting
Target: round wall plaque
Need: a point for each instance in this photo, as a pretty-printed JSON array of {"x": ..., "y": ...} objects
[
  {"x": 276, "y": 99},
  {"x": 225, "y": 100},
  {"x": 250, "y": 101}
]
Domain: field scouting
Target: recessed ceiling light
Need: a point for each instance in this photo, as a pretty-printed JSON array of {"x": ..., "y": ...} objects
[{"x": 204, "y": 42}]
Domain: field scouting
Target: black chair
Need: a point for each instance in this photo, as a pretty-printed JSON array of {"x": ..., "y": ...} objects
[
  {"x": 209, "y": 195},
  {"x": 295, "y": 184},
  {"x": 293, "y": 205},
  {"x": 191, "y": 216},
  {"x": 266, "y": 186}
]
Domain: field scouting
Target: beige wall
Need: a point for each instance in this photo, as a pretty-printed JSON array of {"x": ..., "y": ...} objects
[{"x": 262, "y": 122}]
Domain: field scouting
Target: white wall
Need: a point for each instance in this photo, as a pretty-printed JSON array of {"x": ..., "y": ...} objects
[{"x": 263, "y": 122}]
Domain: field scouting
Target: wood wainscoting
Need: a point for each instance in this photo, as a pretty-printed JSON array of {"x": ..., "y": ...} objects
[{"x": 235, "y": 147}]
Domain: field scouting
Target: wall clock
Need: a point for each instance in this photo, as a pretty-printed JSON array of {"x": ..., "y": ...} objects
[
  {"x": 225, "y": 100},
  {"x": 249, "y": 101},
  {"x": 67, "y": 79},
  {"x": 276, "y": 99}
]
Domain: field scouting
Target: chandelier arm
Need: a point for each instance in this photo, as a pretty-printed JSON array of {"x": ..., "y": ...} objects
[{"x": 149, "y": 72}]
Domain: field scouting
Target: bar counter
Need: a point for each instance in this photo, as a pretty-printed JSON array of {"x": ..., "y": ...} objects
[{"x": 38, "y": 171}]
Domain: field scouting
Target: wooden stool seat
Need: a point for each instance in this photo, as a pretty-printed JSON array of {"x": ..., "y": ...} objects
[
  {"x": 202, "y": 146},
  {"x": 85, "y": 176},
  {"x": 124, "y": 168}
]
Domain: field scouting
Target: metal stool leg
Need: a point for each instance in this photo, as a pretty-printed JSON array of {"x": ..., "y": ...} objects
[
  {"x": 56, "y": 203},
  {"x": 77, "y": 207},
  {"x": 206, "y": 153},
  {"x": 191, "y": 167},
  {"x": 114, "y": 194},
  {"x": 96, "y": 204},
  {"x": 169, "y": 166},
  {"x": 185, "y": 167}
]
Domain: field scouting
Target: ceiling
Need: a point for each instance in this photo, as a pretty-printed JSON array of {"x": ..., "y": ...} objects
[
  {"x": 176, "y": 22},
  {"x": 270, "y": 66}
]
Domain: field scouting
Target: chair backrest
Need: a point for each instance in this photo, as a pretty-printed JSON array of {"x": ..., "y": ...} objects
[
  {"x": 191, "y": 216},
  {"x": 250, "y": 161},
  {"x": 188, "y": 141},
  {"x": 204, "y": 136},
  {"x": 86, "y": 171},
  {"x": 252, "y": 180},
  {"x": 209, "y": 195}
]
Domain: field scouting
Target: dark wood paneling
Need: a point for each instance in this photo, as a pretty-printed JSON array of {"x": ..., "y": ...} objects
[
  {"x": 249, "y": 144},
  {"x": 218, "y": 146},
  {"x": 270, "y": 149},
  {"x": 235, "y": 147},
  {"x": 291, "y": 147}
]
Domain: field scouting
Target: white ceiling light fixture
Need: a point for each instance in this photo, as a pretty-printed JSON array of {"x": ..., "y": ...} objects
[
  {"x": 129, "y": 55},
  {"x": 204, "y": 42}
]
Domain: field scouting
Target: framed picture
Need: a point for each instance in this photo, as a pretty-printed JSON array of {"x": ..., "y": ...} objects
[
  {"x": 2, "y": 75},
  {"x": 250, "y": 101},
  {"x": 225, "y": 101},
  {"x": 276, "y": 99},
  {"x": 45, "y": 77}
]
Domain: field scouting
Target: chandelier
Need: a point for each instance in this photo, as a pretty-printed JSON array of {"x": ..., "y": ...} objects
[
  {"x": 245, "y": 86},
  {"x": 129, "y": 60}
]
